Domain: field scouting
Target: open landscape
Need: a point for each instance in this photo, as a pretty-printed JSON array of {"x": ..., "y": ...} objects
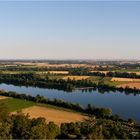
[
  {"x": 50, "y": 113},
  {"x": 69, "y": 69},
  {"x": 55, "y": 115}
]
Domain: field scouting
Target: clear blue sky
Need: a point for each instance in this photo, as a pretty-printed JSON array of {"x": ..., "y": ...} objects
[{"x": 70, "y": 30}]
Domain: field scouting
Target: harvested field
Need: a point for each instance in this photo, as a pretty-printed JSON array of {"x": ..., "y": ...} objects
[
  {"x": 130, "y": 85},
  {"x": 57, "y": 116},
  {"x": 76, "y": 77},
  {"x": 138, "y": 73},
  {"x": 3, "y": 97},
  {"x": 125, "y": 79}
]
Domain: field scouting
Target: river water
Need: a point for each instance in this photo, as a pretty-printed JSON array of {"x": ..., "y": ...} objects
[{"x": 126, "y": 106}]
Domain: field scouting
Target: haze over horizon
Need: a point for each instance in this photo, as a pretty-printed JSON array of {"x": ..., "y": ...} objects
[{"x": 70, "y": 30}]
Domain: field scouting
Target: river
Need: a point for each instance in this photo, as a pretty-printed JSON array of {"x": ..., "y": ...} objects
[{"x": 126, "y": 106}]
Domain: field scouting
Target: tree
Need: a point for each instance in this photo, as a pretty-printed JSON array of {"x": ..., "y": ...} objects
[{"x": 3, "y": 112}]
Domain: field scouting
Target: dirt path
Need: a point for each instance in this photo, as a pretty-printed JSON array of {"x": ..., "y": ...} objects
[{"x": 57, "y": 116}]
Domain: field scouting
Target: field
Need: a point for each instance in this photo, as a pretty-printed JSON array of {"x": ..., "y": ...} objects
[
  {"x": 112, "y": 81},
  {"x": 125, "y": 79},
  {"x": 16, "y": 104},
  {"x": 130, "y": 85},
  {"x": 56, "y": 72},
  {"x": 59, "y": 71},
  {"x": 76, "y": 77},
  {"x": 138, "y": 73},
  {"x": 105, "y": 72},
  {"x": 50, "y": 114},
  {"x": 3, "y": 97}
]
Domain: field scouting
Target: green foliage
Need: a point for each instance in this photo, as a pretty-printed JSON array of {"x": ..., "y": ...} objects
[
  {"x": 98, "y": 129},
  {"x": 20, "y": 126},
  {"x": 3, "y": 111}
]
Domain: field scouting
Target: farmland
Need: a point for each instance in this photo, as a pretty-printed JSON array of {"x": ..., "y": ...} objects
[
  {"x": 16, "y": 104},
  {"x": 50, "y": 113},
  {"x": 55, "y": 115},
  {"x": 75, "y": 77},
  {"x": 63, "y": 70},
  {"x": 71, "y": 100},
  {"x": 131, "y": 85}
]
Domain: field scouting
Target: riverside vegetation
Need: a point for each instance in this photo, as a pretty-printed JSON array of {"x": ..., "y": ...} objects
[
  {"x": 100, "y": 125},
  {"x": 31, "y": 79}
]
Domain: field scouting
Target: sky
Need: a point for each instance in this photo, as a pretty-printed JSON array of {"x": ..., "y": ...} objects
[{"x": 69, "y": 29}]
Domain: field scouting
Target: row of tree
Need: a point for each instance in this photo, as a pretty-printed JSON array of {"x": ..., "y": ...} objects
[
  {"x": 86, "y": 71},
  {"x": 20, "y": 126},
  {"x": 68, "y": 85},
  {"x": 31, "y": 79},
  {"x": 98, "y": 112}
]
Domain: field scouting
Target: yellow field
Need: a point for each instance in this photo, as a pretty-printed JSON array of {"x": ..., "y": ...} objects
[
  {"x": 3, "y": 97},
  {"x": 57, "y": 116},
  {"x": 76, "y": 77},
  {"x": 130, "y": 85},
  {"x": 114, "y": 79},
  {"x": 138, "y": 73}
]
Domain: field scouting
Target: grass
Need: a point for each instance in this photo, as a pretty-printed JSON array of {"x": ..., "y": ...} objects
[
  {"x": 95, "y": 78},
  {"x": 107, "y": 80},
  {"x": 59, "y": 108},
  {"x": 127, "y": 70},
  {"x": 52, "y": 77},
  {"x": 75, "y": 77},
  {"x": 13, "y": 104},
  {"x": 16, "y": 72}
]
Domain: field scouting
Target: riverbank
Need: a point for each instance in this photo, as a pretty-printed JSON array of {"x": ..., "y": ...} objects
[
  {"x": 99, "y": 98},
  {"x": 35, "y": 110}
]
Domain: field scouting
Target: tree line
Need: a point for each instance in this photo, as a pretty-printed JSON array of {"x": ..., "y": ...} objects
[
  {"x": 68, "y": 85},
  {"x": 98, "y": 112},
  {"x": 87, "y": 72},
  {"x": 21, "y": 126}
]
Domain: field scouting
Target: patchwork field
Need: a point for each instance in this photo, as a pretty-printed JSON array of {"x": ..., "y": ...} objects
[{"x": 57, "y": 116}]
